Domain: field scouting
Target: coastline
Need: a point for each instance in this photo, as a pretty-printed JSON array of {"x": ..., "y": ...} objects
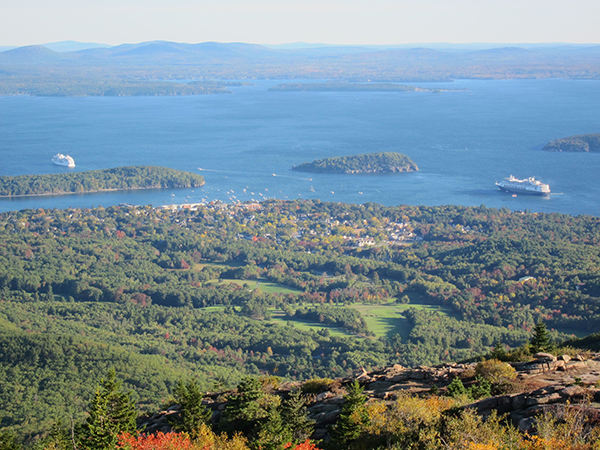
[{"x": 97, "y": 191}]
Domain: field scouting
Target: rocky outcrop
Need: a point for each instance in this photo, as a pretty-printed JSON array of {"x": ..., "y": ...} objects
[
  {"x": 545, "y": 362},
  {"x": 547, "y": 384}
]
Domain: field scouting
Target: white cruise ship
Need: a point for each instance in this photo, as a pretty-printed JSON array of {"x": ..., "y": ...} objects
[
  {"x": 527, "y": 186},
  {"x": 63, "y": 160}
]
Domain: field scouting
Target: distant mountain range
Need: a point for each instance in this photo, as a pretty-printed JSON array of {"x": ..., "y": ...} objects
[
  {"x": 358, "y": 63},
  {"x": 62, "y": 46},
  {"x": 72, "y": 51}
]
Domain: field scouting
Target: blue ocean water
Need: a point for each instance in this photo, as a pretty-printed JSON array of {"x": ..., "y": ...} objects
[{"x": 463, "y": 142}]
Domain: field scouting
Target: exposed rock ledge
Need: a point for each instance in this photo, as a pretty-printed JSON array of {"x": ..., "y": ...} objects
[{"x": 548, "y": 383}]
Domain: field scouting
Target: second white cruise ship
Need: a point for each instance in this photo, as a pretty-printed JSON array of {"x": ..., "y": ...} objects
[
  {"x": 63, "y": 160},
  {"x": 527, "y": 186}
]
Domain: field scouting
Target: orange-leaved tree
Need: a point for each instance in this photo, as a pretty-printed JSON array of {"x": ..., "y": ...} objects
[{"x": 204, "y": 439}]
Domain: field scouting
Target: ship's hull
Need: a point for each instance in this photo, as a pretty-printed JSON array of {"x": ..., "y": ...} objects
[
  {"x": 517, "y": 190},
  {"x": 64, "y": 163}
]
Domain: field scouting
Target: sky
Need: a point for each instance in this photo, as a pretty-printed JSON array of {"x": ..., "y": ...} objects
[{"x": 28, "y": 22}]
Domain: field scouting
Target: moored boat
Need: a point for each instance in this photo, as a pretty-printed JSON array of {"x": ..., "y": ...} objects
[
  {"x": 63, "y": 160},
  {"x": 526, "y": 186}
]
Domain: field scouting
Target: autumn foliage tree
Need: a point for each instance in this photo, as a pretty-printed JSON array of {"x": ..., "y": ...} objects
[{"x": 205, "y": 439}]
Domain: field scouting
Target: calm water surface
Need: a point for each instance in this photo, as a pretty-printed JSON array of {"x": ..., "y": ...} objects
[{"x": 463, "y": 142}]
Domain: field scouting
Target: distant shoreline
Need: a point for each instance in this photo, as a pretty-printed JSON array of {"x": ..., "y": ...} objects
[
  {"x": 355, "y": 87},
  {"x": 97, "y": 191}
]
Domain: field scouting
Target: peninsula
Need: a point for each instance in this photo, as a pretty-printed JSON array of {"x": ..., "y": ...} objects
[
  {"x": 383, "y": 162},
  {"x": 579, "y": 143},
  {"x": 340, "y": 86},
  {"x": 117, "y": 179}
]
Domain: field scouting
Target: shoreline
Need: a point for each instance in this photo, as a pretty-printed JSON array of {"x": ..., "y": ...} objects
[{"x": 96, "y": 191}]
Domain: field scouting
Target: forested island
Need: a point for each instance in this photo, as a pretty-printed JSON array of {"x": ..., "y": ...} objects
[
  {"x": 337, "y": 86},
  {"x": 579, "y": 143},
  {"x": 383, "y": 162},
  {"x": 85, "y": 86},
  {"x": 117, "y": 179}
]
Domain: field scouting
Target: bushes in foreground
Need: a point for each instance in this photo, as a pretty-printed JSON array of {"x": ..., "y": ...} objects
[{"x": 256, "y": 418}]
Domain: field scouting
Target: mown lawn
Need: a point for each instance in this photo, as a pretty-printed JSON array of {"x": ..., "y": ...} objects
[
  {"x": 387, "y": 319},
  {"x": 264, "y": 286},
  {"x": 384, "y": 319},
  {"x": 278, "y": 316}
]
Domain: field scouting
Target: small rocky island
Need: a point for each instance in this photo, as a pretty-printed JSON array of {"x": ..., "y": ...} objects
[
  {"x": 117, "y": 179},
  {"x": 579, "y": 143},
  {"x": 383, "y": 162}
]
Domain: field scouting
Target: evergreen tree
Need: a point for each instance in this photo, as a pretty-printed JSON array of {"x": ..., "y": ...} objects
[
  {"x": 352, "y": 418},
  {"x": 482, "y": 388},
  {"x": 456, "y": 388},
  {"x": 193, "y": 412},
  {"x": 111, "y": 412},
  {"x": 8, "y": 441},
  {"x": 540, "y": 342},
  {"x": 295, "y": 416},
  {"x": 61, "y": 437},
  {"x": 499, "y": 352},
  {"x": 272, "y": 433},
  {"x": 261, "y": 416},
  {"x": 246, "y": 409}
]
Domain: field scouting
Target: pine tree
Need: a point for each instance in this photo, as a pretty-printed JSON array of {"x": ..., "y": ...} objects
[
  {"x": 295, "y": 416},
  {"x": 193, "y": 412},
  {"x": 256, "y": 413},
  {"x": 246, "y": 408},
  {"x": 540, "y": 342},
  {"x": 111, "y": 412},
  {"x": 8, "y": 441},
  {"x": 271, "y": 432},
  {"x": 61, "y": 437},
  {"x": 499, "y": 352},
  {"x": 353, "y": 418},
  {"x": 482, "y": 388},
  {"x": 456, "y": 388}
]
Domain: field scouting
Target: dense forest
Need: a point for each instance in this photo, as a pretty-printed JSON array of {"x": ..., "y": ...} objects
[
  {"x": 120, "y": 178},
  {"x": 286, "y": 288},
  {"x": 382, "y": 162},
  {"x": 579, "y": 143}
]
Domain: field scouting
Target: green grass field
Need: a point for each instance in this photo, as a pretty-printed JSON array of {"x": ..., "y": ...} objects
[
  {"x": 277, "y": 316},
  {"x": 264, "y": 286},
  {"x": 384, "y": 319},
  {"x": 387, "y": 319}
]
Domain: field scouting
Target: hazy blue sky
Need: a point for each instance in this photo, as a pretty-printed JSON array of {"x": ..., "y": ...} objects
[{"x": 24, "y": 22}]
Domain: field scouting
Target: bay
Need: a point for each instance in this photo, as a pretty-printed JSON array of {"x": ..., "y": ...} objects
[{"x": 246, "y": 143}]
